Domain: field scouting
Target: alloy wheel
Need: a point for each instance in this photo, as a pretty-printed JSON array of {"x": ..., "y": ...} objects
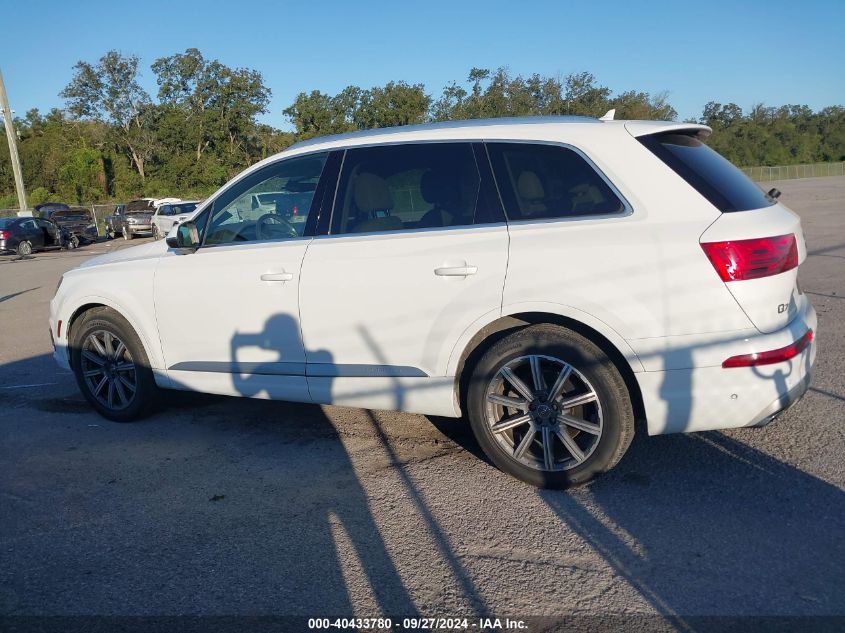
[
  {"x": 544, "y": 413},
  {"x": 108, "y": 369}
]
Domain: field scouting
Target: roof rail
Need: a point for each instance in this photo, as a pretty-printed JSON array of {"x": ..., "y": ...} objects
[{"x": 440, "y": 125}]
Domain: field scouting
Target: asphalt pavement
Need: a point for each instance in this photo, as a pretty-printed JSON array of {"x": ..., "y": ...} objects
[{"x": 220, "y": 506}]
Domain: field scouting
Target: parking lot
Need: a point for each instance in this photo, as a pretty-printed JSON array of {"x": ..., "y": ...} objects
[{"x": 234, "y": 506}]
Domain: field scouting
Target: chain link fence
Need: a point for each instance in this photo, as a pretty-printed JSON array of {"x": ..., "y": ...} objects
[{"x": 788, "y": 172}]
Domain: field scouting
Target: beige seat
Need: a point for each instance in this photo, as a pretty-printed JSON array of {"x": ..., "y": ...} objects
[
  {"x": 371, "y": 196},
  {"x": 532, "y": 195}
]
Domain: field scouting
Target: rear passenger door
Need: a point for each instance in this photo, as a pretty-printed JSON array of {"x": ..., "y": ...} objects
[
  {"x": 572, "y": 240},
  {"x": 415, "y": 253}
]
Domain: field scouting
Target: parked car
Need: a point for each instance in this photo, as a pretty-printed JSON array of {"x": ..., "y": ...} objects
[
  {"x": 79, "y": 222},
  {"x": 133, "y": 218},
  {"x": 24, "y": 235},
  {"x": 167, "y": 215},
  {"x": 114, "y": 221},
  {"x": 555, "y": 283}
]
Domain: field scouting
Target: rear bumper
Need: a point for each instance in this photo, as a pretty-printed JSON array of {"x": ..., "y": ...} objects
[
  {"x": 712, "y": 397},
  {"x": 780, "y": 405}
]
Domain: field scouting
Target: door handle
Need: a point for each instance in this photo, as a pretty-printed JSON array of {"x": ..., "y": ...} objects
[
  {"x": 455, "y": 271},
  {"x": 276, "y": 276}
]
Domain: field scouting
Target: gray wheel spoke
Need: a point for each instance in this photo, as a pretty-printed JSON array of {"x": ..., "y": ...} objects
[
  {"x": 570, "y": 445},
  {"x": 582, "y": 425},
  {"x": 548, "y": 449},
  {"x": 121, "y": 393},
  {"x": 537, "y": 373},
  {"x": 93, "y": 372},
  {"x": 559, "y": 382},
  {"x": 101, "y": 350},
  {"x": 108, "y": 343},
  {"x": 517, "y": 384},
  {"x": 121, "y": 348},
  {"x": 126, "y": 383},
  {"x": 508, "y": 401},
  {"x": 519, "y": 451},
  {"x": 121, "y": 367},
  {"x": 89, "y": 355},
  {"x": 110, "y": 395},
  {"x": 509, "y": 423},
  {"x": 574, "y": 401},
  {"x": 100, "y": 385}
]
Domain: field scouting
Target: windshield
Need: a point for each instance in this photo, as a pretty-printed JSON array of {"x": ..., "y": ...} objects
[
  {"x": 72, "y": 215},
  {"x": 144, "y": 206}
]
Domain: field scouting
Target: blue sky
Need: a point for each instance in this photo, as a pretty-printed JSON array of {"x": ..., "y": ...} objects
[{"x": 773, "y": 52}]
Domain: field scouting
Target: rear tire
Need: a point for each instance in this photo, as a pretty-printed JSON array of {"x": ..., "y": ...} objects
[
  {"x": 517, "y": 405},
  {"x": 111, "y": 366},
  {"x": 24, "y": 248}
]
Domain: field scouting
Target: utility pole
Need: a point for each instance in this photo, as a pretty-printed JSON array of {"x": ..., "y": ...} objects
[{"x": 6, "y": 111}]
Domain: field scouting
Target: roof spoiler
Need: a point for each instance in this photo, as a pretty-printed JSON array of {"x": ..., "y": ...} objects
[{"x": 644, "y": 128}]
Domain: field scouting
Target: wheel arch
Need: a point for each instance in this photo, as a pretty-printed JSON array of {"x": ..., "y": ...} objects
[
  {"x": 91, "y": 303},
  {"x": 605, "y": 338}
]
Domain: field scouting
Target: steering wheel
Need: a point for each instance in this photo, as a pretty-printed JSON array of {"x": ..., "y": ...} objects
[{"x": 271, "y": 226}]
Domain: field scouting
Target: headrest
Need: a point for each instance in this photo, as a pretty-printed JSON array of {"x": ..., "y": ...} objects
[
  {"x": 529, "y": 186},
  {"x": 371, "y": 193},
  {"x": 439, "y": 186}
]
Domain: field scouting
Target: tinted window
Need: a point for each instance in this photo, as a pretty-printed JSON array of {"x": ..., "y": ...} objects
[
  {"x": 139, "y": 206},
  {"x": 395, "y": 187},
  {"x": 539, "y": 182},
  {"x": 713, "y": 176},
  {"x": 185, "y": 207},
  {"x": 239, "y": 216}
]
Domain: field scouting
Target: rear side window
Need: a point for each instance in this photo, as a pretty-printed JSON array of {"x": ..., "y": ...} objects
[
  {"x": 542, "y": 182},
  {"x": 712, "y": 175},
  {"x": 411, "y": 186}
]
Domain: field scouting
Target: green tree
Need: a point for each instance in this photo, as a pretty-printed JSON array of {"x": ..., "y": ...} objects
[{"x": 109, "y": 91}]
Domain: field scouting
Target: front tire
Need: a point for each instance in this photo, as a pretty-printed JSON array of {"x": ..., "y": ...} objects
[
  {"x": 549, "y": 407},
  {"x": 111, "y": 366}
]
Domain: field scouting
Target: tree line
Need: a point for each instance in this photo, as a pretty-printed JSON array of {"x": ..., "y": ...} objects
[{"x": 114, "y": 141}]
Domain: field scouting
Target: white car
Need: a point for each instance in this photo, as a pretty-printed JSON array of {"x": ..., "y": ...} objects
[
  {"x": 558, "y": 281},
  {"x": 169, "y": 214}
]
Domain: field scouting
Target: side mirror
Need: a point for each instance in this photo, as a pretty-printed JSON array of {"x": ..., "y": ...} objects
[{"x": 186, "y": 236}]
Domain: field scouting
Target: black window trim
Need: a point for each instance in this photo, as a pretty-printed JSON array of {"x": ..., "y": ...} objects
[
  {"x": 627, "y": 211},
  {"x": 210, "y": 205},
  {"x": 486, "y": 186}
]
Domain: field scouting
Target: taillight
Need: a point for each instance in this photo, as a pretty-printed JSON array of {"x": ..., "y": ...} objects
[
  {"x": 4, "y": 235},
  {"x": 737, "y": 260},
  {"x": 772, "y": 356},
  {"x": 295, "y": 211}
]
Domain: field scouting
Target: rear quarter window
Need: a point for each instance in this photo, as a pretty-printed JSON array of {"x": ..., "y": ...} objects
[{"x": 708, "y": 172}]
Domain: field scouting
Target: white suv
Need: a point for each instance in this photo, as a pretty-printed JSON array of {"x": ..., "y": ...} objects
[{"x": 555, "y": 280}]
